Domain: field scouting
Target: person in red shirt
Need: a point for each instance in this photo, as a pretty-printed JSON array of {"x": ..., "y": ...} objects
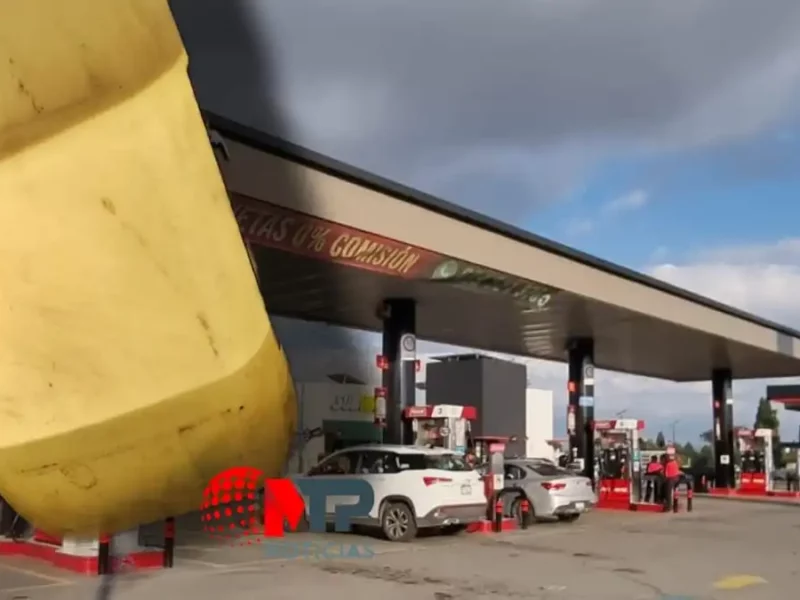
[
  {"x": 653, "y": 476},
  {"x": 672, "y": 476}
]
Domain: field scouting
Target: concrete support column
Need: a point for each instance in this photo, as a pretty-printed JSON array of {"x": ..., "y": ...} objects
[
  {"x": 722, "y": 428},
  {"x": 400, "y": 378},
  {"x": 580, "y": 357}
]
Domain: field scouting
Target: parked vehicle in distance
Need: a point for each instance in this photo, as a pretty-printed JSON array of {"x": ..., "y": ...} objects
[
  {"x": 551, "y": 491},
  {"x": 415, "y": 488}
]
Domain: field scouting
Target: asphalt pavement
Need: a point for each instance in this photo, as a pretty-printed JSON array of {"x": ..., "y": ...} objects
[{"x": 723, "y": 550}]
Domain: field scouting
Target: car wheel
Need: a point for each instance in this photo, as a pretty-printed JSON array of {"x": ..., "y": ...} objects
[
  {"x": 398, "y": 523},
  {"x": 568, "y": 518},
  {"x": 516, "y": 511}
]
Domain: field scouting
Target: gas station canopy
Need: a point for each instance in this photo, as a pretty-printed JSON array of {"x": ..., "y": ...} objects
[
  {"x": 331, "y": 242},
  {"x": 788, "y": 395}
]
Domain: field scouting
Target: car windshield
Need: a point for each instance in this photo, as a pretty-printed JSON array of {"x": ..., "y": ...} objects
[{"x": 546, "y": 469}]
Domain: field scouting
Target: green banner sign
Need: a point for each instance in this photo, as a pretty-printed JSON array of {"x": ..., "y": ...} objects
[{"x": 535, "y": 295}]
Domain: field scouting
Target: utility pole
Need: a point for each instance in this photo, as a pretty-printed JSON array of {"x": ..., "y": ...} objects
[{"x": 673, "y": 424}]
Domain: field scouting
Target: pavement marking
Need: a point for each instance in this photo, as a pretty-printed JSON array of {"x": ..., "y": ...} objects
[
  {"x": 738, "y": 582},
  {"x": 249, "y": 564},
  {"x": 198, "y": 548},
  {"x": 34, "y": 588},
  {"x": 31, "y": 573},
  {"x": 379, "y": 550},
  {"x": 201, "y": 563}
]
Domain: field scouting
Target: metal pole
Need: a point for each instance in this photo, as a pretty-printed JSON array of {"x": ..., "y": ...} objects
[
  {"x": 673, "y": 424},
  {"x": 169, "y": 543},
  {"x": 104, "y": 555}
]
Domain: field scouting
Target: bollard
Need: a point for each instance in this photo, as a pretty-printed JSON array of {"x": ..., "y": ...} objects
[
  {"x": 525, "y": 511},
  {"x": 104, "y": 555},
  {"x": 689, "y": 498},
  {"x": 169, "y": 543},
  {"x": 498, "y": 514}
]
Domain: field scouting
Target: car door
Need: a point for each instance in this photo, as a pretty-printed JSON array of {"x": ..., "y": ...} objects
[
  {"x": 531, "y": 482},
  {"x": 379, "y": 468},
  {"x": 338, "y": 465},
  {"x": 514, "y": 476},
  {"x": 514, "y": 479}
]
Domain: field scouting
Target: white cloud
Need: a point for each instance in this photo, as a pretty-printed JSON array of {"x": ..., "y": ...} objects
[
  {"x": 580, "y": 227},
  {"x": 760, "y": 278},
  {"x": 633, "y": 200}
]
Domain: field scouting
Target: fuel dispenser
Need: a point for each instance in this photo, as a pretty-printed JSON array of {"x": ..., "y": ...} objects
[
  {"x": 441, "y": 425},
  {"x": 755, "y": 461},
  {"x": 490, "y": 453},
  {"x": 617, "y": 448},
  {"x": 792, "y": 468}
]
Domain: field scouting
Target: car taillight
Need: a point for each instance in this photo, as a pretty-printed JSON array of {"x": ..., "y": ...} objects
[
  {"x": 550, "y": 487},
  {"x": 428, "y": 481}
]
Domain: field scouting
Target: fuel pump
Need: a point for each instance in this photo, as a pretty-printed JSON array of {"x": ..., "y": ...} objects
[
  {"x": 617, "y": 447},
  {"x": 791, "y": 453},
  {"x": 793, "y": 475},
  {"x": 755, "y": 461},
  {"x": 441, "y": 425},
  {"x": 490, "y": 454}
]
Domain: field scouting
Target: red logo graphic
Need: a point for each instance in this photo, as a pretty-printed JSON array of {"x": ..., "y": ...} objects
[
  {"x": 230, "y": 504},
  {"x": 282, "y": 502}
]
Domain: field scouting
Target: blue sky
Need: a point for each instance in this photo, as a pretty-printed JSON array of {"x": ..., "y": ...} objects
[
  {"x": 631, "y": 129},
  {"x": 680, "y": 214}
]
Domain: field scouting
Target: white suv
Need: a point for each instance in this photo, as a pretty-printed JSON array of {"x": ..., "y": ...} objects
[{"x": 415, "y": 487}]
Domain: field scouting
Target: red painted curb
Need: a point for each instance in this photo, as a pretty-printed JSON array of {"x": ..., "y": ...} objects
[{"x": 84, "y": 565}]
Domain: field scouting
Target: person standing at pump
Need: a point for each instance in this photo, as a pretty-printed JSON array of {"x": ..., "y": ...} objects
[
  {"x": 672, "y": 475},
  {"x": 653, "y": 474}
]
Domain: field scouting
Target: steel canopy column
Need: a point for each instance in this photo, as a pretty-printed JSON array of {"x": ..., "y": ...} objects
[
  {"x": 400, "y": 378},
  {"x": 580, "y": 356},
  {"x": 722, "y": 431}
]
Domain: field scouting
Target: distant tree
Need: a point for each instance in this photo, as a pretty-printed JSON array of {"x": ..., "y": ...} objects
[
  {"x": 707, "y": 436},
  {"x": 766, "y": 416},
  {"x": 687, "y": 453},
  {"x": 705, "y": 457},
  {"x": 660, "y": 442}
]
